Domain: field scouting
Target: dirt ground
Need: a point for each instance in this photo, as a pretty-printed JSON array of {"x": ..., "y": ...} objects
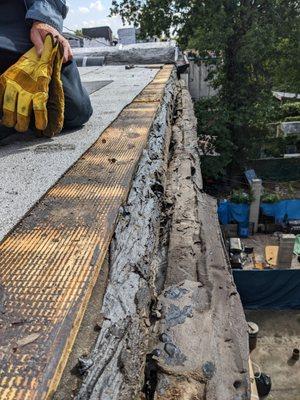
[
  {"x": 71, "y": 379},
  {"x": 284, "y": 189},
  {"x": 223, "y": 188},
  {"x": 279, "y": 334},
  {"x": 259, "y": 241}
]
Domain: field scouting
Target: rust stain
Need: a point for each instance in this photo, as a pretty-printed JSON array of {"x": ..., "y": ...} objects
[{"x": 50, "y": 262}]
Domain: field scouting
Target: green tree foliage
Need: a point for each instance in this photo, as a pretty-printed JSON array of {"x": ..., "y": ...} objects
[
  {"x": 214, "y": 137},
  {"x": 239, "y": 196},
  {"x": 290, "y": 109},
  {"x": 78, "y": 32},
  {"x": 255, "y": 48},
  {"x": 270, "y": 197}
]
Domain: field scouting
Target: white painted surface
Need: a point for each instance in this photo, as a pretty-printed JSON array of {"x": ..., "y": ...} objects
[
  {"x": 286, "y": 95},
  {"x": 257, "y": 188},
  {"x": 290, "y": 128},
  {"x": 127, "y": 36},
  {"x": 29, "y": 166}
]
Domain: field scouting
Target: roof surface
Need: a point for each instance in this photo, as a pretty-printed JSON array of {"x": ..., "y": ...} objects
[{"x": 30, "y": 166}]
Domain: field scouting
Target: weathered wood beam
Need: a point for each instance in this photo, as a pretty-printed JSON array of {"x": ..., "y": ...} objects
[
  {"x": 120, "y": 352},
  {"x": 173, "y": 325},
  {"x": 202, "y": 350}
]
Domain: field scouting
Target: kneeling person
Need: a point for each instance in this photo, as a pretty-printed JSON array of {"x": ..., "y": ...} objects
[{"x": 28, "y": 23}]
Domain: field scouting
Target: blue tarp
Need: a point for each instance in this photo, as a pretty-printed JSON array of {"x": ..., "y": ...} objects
[
  {"x": 282, "y": 210},
  {"x": 231, "y": 212},
  {"x": 223, "y": 212},
  {"x": 269, "y": 289}
]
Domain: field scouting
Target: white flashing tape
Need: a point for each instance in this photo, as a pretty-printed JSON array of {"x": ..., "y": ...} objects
[{"x": 84, "y": 60}]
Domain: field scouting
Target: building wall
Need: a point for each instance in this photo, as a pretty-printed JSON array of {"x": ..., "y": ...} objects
[
  {"x": 127, "y": 36},
  {"x": 96, "y": 42}
]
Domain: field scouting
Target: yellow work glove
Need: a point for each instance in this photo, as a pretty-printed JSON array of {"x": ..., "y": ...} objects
[
  {"x": 56, "y": 100},
  {"x": 25, "y": 86}
]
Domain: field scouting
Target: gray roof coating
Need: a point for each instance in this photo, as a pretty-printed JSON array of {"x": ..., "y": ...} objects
[
  {"x": 30, "y": 166},
  {"x": 139, "y": 53}
]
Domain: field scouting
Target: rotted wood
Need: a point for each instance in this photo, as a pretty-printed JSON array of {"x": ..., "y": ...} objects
[
  {"x": 173, "y": 325},
  {"x": 202, "y": 347},
  {"x": 117, "y": 362}
]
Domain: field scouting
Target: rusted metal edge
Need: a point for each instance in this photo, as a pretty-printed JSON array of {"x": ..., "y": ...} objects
[{"x": 50, "y": 262}]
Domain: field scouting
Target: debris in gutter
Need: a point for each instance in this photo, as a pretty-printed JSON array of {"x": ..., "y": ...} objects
[
  {"x": 28, "y": 339},
  {"x": 84, "y": 363}
]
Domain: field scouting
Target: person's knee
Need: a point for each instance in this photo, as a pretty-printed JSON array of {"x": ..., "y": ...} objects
[
  {"x": 77, "y": 111},
  {"x": 78, "y": 108}
]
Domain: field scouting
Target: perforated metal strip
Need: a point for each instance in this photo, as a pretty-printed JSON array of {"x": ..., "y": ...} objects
[{"x": 50, "y": 262}]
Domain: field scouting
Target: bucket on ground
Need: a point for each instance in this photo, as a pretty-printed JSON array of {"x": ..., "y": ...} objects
[
  {"x": 295, "y": 355},
  {"x": 243, "y": 230},
  {"x": 263, "y": 383},
  {"x": 252, "y": 332}
]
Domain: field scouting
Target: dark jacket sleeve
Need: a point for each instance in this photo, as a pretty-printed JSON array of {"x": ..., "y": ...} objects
[{"x": 51, "y": 12}]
